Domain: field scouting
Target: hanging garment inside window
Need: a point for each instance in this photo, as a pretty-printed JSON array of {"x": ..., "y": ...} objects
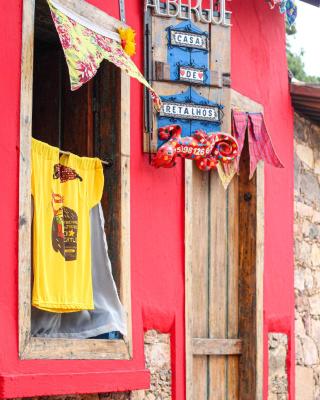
[
  {"x": 86, "y": 45},
  {"x": 64, "y": 190},
  {"x": 108, "y": 314}
]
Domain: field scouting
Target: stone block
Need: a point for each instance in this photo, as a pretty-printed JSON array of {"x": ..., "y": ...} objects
[
  {"x": 158, "y": 361},
  {"x": 308, "y": 278},
  {"x": 317, "y": 167},
  {"x": 277, "y": 380},
  {"x": 314, "y": 302},
  {"x": 138, "y": 395},
  {"x": 304, "y": 383},
  {"x": 297, "y": 174},
  {"x": 299, "y": 279},
  {"x": 305, "y": 154},
  {"x": 303, "y": 210},
  {"x": 317, "y": 278},
  {"x": 309, "y": 186},
  {"x": 307, "y": 322},
  {"x": 297, "y": 230},
  {"x": 314, "y": 232},
  {"x": 303, "y": 252},
  {"x": 299, "y": 326},
  {"x": 278, "y": 384},
  {"x": 300, "y": 128},
  {"x": 315, "y": 255},
  {"x": 315, "y": 330},
  {"x": 310, "y": 351},
  {"x": 314, "y": 136},
  {"x": 310, "y": 230},
  {"x": 299, "y": 352},
  {"x": 316, "y": 217},
  {"x": 302, "y": 303}
]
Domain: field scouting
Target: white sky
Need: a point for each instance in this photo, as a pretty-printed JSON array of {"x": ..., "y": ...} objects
[{"x": 308, "y": 37}]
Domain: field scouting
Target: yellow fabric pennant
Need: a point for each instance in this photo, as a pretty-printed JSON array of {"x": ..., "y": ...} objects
[{"x": 226, "y": 173}]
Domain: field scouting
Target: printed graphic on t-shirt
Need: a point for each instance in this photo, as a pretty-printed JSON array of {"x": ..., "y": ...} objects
[
  {"x": 65, "y": 173},
  {"x": 64, "y": 229}
]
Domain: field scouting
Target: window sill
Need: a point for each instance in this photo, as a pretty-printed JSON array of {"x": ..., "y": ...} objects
[
  {"x": 30, "y": 385},
  {"x": 76, "y": 349}
]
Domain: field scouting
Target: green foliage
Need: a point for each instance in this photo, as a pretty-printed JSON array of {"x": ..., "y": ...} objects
[
  {"x": 295, "y": 61},
  {"x": 290, "y": 30},
  {"x": 296, "y": 67}
]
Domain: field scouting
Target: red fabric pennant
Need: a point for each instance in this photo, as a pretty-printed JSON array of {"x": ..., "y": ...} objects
[
  {"x": 260, "y": 145},
  {"x": 239, "y": 127}
]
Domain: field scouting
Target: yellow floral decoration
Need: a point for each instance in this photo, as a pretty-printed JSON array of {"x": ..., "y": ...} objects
[{"x": 128, "y": 42}]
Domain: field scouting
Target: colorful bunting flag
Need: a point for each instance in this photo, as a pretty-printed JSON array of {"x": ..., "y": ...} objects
[
  {"x": 260, "y": 145},
  {"x": 288, "y": 7},
  {"x": 85, "y": 47}
]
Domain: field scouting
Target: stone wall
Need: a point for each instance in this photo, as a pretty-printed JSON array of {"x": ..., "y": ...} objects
[
  {"x": 158, "y": 361},
  {"x": 307, "y": 259},
  {"x": 278, "y": 378}
]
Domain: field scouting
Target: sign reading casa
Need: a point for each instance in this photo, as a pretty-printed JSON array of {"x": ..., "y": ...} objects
[
  {"x": 188, "y": 39},
  {"x": 176, "y": 9}
]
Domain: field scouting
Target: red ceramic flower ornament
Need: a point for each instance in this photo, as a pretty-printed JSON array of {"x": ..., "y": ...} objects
[{"x": 207, "y": 150}]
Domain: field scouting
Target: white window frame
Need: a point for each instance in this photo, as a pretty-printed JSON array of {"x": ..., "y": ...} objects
[{"x": 36, "y": 347}]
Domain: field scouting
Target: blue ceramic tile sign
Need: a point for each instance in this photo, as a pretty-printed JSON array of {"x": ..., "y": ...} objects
[
  {"x": 188, "y": 53},
  {"x": 191, "y": 111}
]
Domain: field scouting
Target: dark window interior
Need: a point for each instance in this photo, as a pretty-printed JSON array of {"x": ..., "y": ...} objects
[{"x": 85, "y": 122}]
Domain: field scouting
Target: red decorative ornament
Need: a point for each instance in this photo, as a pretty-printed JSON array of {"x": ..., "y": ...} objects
[{"x": 207, "y": 150}]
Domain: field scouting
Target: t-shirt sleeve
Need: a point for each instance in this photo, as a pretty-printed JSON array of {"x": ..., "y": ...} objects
[{"x": 95, "y": 185}]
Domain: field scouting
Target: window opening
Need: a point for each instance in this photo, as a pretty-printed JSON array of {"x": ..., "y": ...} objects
[{"x": 85, "y": 122}]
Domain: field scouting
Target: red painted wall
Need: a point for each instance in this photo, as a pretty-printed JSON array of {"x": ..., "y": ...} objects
[{"x": 259, "y": 71}]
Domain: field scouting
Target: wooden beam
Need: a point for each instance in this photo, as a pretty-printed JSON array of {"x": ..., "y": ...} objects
[
  {"x": 25, "y": 174},
  {"x": 247, "y": 278},
  {"x": 125, "y": 251},
  {"x": 75, "y": 349},
  {"x": 218, "y": 284},
  {"x": 217, "y": 347},
  {"x": 188, "y": 275},
  {"x": 309, "y": 90},
  {"x": 259, "y": 279}
]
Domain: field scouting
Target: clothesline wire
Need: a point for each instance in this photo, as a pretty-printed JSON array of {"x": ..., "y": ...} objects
[{"x": 108, "y": 163}]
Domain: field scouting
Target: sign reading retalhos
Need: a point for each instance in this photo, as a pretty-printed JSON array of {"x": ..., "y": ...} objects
[{"x": 206, "y": 149}]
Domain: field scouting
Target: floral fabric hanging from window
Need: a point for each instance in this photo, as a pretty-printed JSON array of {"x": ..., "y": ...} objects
[{"x": 85, "y": 48}]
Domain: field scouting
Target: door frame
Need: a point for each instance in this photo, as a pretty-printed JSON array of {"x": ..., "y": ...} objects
[{"x": 244, "y": 103}]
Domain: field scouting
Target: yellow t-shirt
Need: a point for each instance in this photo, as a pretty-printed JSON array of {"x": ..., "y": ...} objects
[{"x": 64, "y": 190}]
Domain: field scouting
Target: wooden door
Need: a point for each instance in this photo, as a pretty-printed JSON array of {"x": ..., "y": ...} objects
[{"x": 224, "y": 258}]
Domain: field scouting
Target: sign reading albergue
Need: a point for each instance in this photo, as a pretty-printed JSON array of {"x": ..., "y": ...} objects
[{"x": 176, "y": 9}]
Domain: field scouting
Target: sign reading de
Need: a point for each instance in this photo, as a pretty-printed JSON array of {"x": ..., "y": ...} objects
[{"x": 192, "y": 75}]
